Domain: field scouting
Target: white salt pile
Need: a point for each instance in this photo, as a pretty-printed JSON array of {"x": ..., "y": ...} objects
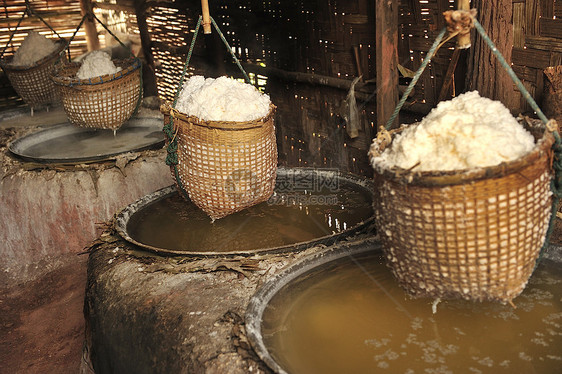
[
  {"x": 222, "y": 99},
  {"x": 95, "y": 64},
  {"x": 33, "y": 48},
  {"x": 466, "y": 132}
]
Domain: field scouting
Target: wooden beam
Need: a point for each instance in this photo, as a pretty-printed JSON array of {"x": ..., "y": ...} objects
[
  {"x": 115, "y": 7},
  {"x": 386, "y": 25},
  {"x": 90, "y": 26},
  {"x": 149, "y": 76}
]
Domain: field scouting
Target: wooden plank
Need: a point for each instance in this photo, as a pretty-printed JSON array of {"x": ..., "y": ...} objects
[
  {"x": 416, "y": 8},
  {"x": 557, "y": 9},
  {"x": 386, "y": 31},
  {"x": 555, "y": 59},
  {"x": 551, "y": 27},
  {"x": 547, "y": 8},
  {"x": 539, "y": 84},
  {"x": 115, "y": 7},
  {"x": 532, "y": 16},
  {"x": 525, "y": 107},
  {"x": 543, "y": 43},
  {"x": 530, "y": 57},
  {"x": 442, "y": 6},
  {"x": 449, "y": 75},
  {"x": 519, "y": 25},
  {"x": 525, "y": 73},
  {"x": 420, "y": 44}
]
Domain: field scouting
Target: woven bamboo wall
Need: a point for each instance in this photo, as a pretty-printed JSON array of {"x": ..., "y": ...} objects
[
  {"x": 308, "y": 36},
  {"x": 537, "y": 42},
  {"x": 419, "y": 24},
  {"x": 64, "y": 17},
  {"x": 316, "y": 37}
]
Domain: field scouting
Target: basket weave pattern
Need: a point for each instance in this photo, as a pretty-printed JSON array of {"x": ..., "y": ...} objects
[
  {"x": 103, "y": 102},
  {"x": 476, "y": 240},
  {"x": 226, "y": 167},
  {"x": 33, "y": 83}
]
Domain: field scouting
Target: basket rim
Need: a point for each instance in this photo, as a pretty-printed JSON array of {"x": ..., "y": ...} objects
[
  {"x": 167, "y": 110},
  {"x": 6, "y": 64},
  {"x": 543, "y": 146},
  {"x": 133, "y": 64}
]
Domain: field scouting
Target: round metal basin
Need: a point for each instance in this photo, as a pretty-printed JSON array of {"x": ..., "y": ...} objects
[
  {"x": 342, "y": 311},
  {"x": 66, "y": 143},
  {"x": 308, "y": 207}
]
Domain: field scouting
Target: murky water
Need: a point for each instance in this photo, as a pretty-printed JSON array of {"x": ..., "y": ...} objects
[
  {"x": 351, "y": 317},
  {"x": 288, "y": 217}
]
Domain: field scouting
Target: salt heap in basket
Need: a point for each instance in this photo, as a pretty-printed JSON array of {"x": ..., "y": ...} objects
[
  {"x": 99, "y": 92},
  {"x": 31, "y": 67},
  {"x": 463, "y": 201},
  {"x": 95, "y": 64},
  {"x": 33, "y": 48},
  {"x": 227, "y": 153}
]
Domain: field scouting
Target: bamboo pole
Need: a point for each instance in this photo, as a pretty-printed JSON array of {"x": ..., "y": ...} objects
[
  {"x": 206, "y": 16},
  {"x": 463, "y": 40}
]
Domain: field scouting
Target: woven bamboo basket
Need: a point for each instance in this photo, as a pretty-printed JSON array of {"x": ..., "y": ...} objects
[
  {"x": 33, "y": 83},
  {"x": 473, "y": 234},
  {"x": 225, "y": 167},
  {"x": 104, "y": 102}
]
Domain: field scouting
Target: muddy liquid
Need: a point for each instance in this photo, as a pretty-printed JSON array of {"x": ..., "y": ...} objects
[
  {"x": 351, "y": 317},
  {"x": 287, "y": 218}
]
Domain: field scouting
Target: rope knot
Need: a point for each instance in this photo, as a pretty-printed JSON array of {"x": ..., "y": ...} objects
[
  {"x": 459, "y": 21},
  {"x": 552, "y": 125},
  {"x": 382, "y": 140}
]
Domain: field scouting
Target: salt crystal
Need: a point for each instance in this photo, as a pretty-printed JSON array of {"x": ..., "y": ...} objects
[
  {"x": 33, "y": 48},
  {"x": 466, "y": 132},
  {"x": 222, "y": 99},
  {"x": 95, "y": 64}
]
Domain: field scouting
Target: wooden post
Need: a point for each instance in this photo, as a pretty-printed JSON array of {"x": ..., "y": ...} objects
[
  {"x": 149, "y": 75},
  {"x": 485, "y": 74},
  {"x": 92, "y": 39},
  {"x": 386, "y": 59},
  {"x": 206, "y": 16}
]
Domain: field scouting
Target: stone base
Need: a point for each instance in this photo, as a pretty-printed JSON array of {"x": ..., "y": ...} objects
[
  {"x": 152, "y": 314},
  {"x": 49, "y": 212}
]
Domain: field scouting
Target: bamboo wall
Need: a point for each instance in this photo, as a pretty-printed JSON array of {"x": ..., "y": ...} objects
[
  {"x": 63, "y": 16},
  {"x": 299, "y": 40},
  {"x": 537, "y": 42}
]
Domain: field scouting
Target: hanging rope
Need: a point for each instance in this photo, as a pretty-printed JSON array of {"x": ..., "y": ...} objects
[
  {"x": 28, "y": 11},
  {"x": 416, "y": 77},
  {"x": 230, "y": 50},
  {"x": 556, "y": 182},
  {"x": 172, "y": 148}
]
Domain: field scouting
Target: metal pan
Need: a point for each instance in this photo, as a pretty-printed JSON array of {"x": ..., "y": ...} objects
[{"x": 66, "y": 143}]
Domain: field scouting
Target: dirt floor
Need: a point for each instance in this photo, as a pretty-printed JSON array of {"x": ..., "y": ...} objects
[{"x": 42, "y": 322}]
